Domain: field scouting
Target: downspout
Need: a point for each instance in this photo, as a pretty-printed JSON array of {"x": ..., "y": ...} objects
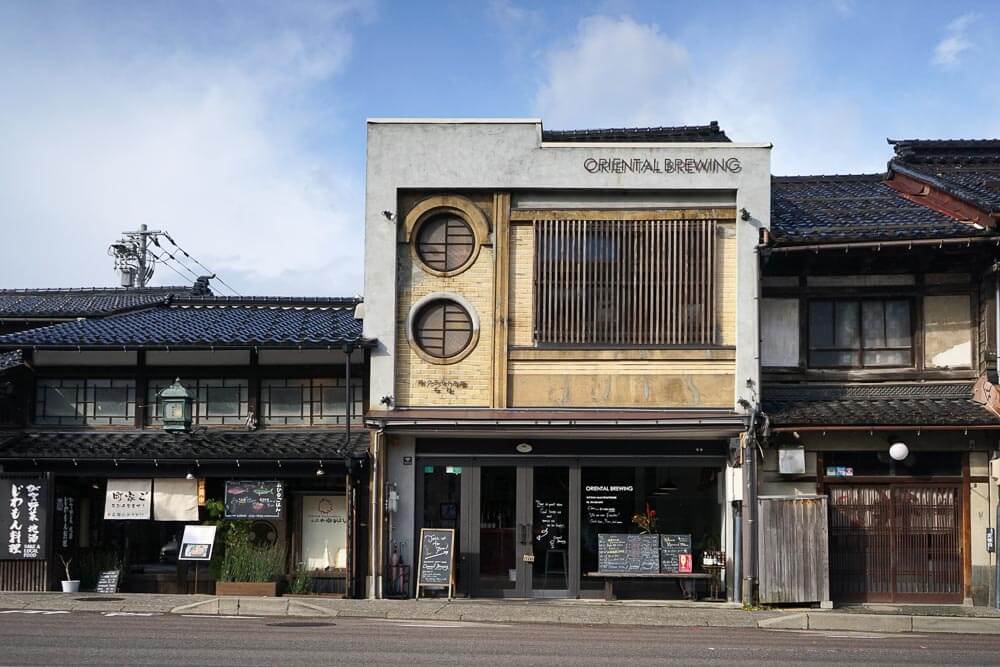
[{"x": 996, "y": 362}]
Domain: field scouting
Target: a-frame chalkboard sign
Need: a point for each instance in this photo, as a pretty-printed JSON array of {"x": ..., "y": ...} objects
[{"x": 436, "y": 567}]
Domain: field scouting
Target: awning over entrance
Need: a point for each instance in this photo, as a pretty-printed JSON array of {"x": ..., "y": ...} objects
[{"x": 711, "y": 424}]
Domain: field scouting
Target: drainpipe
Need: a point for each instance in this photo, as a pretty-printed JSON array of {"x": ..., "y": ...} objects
[
  {"x": 996, "y": 362},
  {"x": 737, "y": 549},
  {"x": 749, "y": 523}
]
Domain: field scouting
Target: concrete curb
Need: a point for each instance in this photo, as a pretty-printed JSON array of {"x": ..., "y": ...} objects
[{"x": 882, "y": 623}]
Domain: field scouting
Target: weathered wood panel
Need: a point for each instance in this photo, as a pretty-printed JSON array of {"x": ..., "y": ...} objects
[
  {"x": 793, "y": 548},
  {"x": 24, "y": 575}
]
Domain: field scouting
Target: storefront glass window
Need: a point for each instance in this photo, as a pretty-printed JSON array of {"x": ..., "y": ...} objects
[
  {"x": 497, "y": 536},
  {"x": 442, "y": 503},
  {"x": 685, "y": 501}
]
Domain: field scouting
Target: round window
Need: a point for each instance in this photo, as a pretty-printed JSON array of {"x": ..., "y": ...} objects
[
  {"x": 443, "y": 329},
  {"x": 445, "y": 242}
]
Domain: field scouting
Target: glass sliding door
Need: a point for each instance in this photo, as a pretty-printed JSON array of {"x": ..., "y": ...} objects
[
  {"x": 497, "y": 530},
  {"x": 549, "y": 531}
]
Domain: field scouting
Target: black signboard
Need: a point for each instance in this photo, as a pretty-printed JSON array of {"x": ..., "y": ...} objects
[
  {"x": 107, "y": 581},
  {"x": 634, "y": 554},
  {"x": 672, "y": 547},
  {"x": 23, "y": 518},
  {"x": 254, "y": 499},
  {"x": 437, "y": 551}
]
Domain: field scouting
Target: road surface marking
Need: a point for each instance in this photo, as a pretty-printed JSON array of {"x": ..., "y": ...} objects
[
  {"x": 130, "y": 613},
  {"x": 32, "y": 611},
  {"x": 215, "y": 616}
]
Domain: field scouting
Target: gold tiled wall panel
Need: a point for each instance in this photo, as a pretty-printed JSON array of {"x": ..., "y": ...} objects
[{"x": 622, "y": 384}]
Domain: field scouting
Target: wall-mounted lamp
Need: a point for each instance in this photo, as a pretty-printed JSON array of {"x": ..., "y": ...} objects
[
  {"x": 744, "y": 215},
  {"x": 319, "y": 471},
  {"x": 389, "y": 215},
  {"x": 386, "y": 401},
  {"x": 898, "y": 449}
]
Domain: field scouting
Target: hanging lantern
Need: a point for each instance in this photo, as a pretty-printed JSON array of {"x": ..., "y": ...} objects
[{"x": 175, "y": 406}]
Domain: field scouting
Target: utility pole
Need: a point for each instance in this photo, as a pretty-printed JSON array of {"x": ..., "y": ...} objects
[{"x": 131, "y": 254}]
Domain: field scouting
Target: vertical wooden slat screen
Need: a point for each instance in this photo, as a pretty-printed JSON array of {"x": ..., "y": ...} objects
[{"x": 626, "y": 282}]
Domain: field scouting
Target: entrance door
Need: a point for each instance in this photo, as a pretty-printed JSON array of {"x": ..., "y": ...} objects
[
  {"x": 547, "y": 545},
  {"x": 896, "y": 543},
  {"x": 528, "y": 536}
]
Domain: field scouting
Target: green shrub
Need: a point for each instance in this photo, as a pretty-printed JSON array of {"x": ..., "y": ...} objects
[{"x": 243, "y": 561}]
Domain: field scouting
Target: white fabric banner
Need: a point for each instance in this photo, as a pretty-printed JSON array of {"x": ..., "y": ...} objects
[
  {"x": 128, "y": 499},
  {"x": 175, "y": 499},
  {"x": 324, "y": 531}
]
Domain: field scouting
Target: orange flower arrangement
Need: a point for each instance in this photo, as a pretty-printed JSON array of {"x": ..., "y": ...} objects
[{"x": 646, "y": 521}]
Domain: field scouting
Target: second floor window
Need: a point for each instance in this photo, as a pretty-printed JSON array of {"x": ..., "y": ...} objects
[
  {"x": 626, "y": 282},
  {"x": 309, "y": 401},
  {"x": 217, "y": 401},
  {"x": 860, "y": 333},
  {"x": 85, "y": 402}
]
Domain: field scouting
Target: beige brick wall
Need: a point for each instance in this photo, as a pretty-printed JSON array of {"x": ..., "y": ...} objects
[
  {"x": 475, "y": 285},
  {"x": 522, "y": 289}
]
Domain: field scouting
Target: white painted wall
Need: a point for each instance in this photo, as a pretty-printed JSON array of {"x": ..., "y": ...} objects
[{"x": 779, "y": 331}]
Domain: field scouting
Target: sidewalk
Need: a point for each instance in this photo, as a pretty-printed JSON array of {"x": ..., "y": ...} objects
[{"x": 589, "y": 612}]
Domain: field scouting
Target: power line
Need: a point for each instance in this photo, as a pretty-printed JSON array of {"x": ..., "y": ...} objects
[
  {"x": 199, "y": 263},
  {"x": 164, "y": 263},
  {"x": 166, "y": 252}
]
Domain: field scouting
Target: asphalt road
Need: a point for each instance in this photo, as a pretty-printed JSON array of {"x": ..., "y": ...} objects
[{"x": 88, "y": 638}]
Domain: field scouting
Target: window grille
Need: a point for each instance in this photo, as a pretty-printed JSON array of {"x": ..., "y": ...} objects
[{"x": 626, "y": 282}]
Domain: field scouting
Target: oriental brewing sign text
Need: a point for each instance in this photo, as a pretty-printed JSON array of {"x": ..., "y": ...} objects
[{"x": 637, "y": 165}]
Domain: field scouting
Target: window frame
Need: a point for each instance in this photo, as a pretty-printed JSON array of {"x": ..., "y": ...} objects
[{"x": 862, "y": 348}]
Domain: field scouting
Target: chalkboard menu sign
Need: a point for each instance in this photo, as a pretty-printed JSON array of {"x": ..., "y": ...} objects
[
  {"x": 23, "y": 518},
  {"x": 675, "y": 554},
  {"x": 107, "y": 581},
  {"x": 437, "y": 559},
  {"x": 634, "y": 554},
  {"x": 254, "y": 499}
]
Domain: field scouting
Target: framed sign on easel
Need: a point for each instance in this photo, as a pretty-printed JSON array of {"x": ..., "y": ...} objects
[{"x": 436, "y": 565}]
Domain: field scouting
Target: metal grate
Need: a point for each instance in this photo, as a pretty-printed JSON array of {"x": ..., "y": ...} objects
[
  {"x": 896, "y": 543},
  {"x": 626, "y": 282}
]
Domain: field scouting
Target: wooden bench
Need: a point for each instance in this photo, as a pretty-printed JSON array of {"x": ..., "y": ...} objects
[{"x": 681, "y": 578}]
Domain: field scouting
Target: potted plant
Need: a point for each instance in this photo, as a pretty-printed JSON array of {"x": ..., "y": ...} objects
[
  {"x": 69, "y": 584},
  {"x": 248, "y": 569}
]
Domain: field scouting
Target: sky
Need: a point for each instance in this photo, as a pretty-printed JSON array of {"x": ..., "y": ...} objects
[{"x": 239, "y": 126}]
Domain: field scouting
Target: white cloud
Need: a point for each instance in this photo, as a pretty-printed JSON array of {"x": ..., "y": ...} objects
[
  {"x": 617, "y": 72},
  {"x": 208, "y": 141},
  {"x": 956, "y": 41}
]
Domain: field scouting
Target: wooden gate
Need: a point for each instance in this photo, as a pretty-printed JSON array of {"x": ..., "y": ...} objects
[{"x": 896, "y": 543}]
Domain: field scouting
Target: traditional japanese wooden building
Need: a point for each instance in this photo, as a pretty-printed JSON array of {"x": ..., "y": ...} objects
[
  {"x": 277, "y": 387},
  {"x": 878, "y": 348}
]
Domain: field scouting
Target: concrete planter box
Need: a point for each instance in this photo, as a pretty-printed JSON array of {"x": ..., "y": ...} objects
[{"x": 247, "y": 588}]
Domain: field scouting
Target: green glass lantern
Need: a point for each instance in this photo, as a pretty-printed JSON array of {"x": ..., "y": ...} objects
[{"x": 175, "y": 406}]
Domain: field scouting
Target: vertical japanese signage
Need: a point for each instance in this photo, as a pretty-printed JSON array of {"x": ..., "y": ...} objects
[{"x": 24, "y": 512}]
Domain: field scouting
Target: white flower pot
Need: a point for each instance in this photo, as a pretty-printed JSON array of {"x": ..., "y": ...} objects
[{"x": 72, "y": 586}]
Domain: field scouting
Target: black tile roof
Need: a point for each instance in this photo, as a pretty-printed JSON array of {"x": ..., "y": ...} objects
[
  {"x": 676, "y": 133},
  {"x": 846, "y": 208},
  {"x": 11, "y": 359},
  {"x": 206, "y": 445},
  {"x": 875, "y": 405},
  {"x": 62, "y": 303},
  {"x": 968, "y": 169},
  {"x": 207, "y": 322}
]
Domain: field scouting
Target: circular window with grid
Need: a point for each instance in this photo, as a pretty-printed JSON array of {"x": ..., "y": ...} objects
[
  {"x": 443, "y": 330},
  {"x": 445, "y": 243}
]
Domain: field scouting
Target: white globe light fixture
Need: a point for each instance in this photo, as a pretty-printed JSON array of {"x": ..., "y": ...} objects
[{"x": 898, "y": 450}]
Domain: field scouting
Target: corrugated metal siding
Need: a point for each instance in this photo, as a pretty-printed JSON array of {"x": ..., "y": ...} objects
[{"x": 792, "y": 542}]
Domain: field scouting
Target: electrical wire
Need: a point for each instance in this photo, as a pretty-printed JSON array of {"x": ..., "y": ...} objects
[
  {"x": 162, "y": 261},
  {"x": 182, "y": 250},
  {"x": 156, "y": 242}
]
